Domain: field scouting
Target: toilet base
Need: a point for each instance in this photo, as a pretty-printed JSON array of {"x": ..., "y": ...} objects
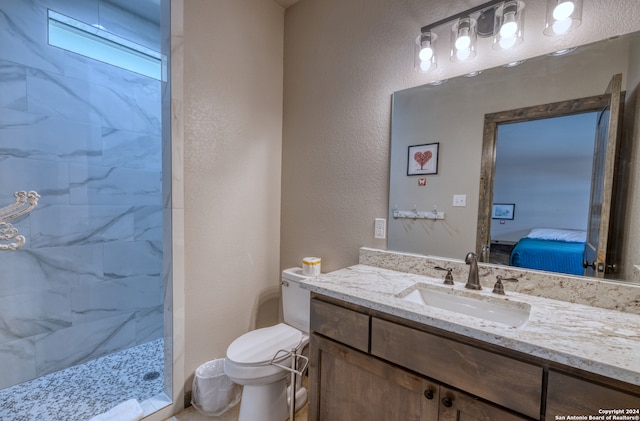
[
  {"x": 301, "y": 397},
  {"x": 265, "y": 403}
]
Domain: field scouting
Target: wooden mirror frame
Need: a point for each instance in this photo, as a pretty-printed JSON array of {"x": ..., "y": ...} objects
[{"x": 489, "y": 140}]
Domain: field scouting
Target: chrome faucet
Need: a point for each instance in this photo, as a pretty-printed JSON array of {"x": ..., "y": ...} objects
[{"x": 474, "y": 280}]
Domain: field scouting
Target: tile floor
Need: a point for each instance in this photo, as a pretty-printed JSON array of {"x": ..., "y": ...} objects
[
  {"x": 81, "y": 392},
  {"x": 191, "y": 414}
]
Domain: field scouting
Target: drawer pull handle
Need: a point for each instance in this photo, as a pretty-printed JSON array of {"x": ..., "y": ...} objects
[
  {"x": 428, "y": 394},
  {"x": 448, "y": 402}
]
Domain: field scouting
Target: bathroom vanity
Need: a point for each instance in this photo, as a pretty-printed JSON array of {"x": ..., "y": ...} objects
[{"x": 379, "y": 352}]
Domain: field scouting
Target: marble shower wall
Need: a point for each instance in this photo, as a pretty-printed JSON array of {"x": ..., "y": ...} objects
[{"x": 87, "y": 137}]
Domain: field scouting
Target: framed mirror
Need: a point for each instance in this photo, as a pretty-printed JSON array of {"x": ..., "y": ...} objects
[{"x": 453, "y": 115}]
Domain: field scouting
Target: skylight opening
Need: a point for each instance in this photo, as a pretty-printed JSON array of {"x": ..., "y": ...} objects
[{"x": 96, "y": 43}]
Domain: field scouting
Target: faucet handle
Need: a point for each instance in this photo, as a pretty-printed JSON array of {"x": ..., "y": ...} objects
[
  {"x": 448, "y": 278},
  {"x": 498, "y": 288}
]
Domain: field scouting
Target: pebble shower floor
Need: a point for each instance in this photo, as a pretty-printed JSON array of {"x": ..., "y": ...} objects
[{"x": 78, "y": 393}]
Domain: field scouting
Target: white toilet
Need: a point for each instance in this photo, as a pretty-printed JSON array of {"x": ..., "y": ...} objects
[{"x": 248, "y": 360}]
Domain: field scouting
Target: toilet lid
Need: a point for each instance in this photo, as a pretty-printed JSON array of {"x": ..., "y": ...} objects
[{"x": 260, "y": 345}]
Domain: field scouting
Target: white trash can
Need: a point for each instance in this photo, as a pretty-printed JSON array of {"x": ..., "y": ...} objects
[{"x": 213, "y": 393}]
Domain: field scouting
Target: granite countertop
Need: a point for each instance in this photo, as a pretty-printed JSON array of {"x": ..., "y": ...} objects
[{"x": 601, "y": 341}]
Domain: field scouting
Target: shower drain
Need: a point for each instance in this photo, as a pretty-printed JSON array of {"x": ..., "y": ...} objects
[{"x": 152, "y": 375}]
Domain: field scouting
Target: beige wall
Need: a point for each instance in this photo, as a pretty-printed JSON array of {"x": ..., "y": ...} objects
[
  {"x": 343, "y": 60},
  {"x": 232, "y": 126}
]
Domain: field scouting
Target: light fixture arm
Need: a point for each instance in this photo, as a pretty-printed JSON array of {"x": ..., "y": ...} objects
[{"x": 468, "y": 12}]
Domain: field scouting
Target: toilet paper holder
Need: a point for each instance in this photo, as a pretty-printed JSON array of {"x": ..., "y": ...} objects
[{"x": 293, "y": 369}]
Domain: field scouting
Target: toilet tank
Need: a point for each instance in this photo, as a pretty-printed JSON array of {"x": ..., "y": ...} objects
[{"x": 295, "y": 299}]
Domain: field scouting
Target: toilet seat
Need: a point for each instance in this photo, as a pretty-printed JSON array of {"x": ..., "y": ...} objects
[
  {"x": 259, "y": 346},
  {"x": 249, "y": 356}
]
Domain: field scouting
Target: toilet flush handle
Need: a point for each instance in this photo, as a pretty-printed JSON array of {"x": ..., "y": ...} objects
[{"x": 284, "y": 283}]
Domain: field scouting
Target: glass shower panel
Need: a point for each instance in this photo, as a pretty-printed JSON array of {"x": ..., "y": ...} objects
[{"x": 87, "y": 137}]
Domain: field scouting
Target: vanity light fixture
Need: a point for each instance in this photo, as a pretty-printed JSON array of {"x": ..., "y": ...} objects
[
  {"x": 501, "y": 19},
  {"x": 562, "y": 16}
]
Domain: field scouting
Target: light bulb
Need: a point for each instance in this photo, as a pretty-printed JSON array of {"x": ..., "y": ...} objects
[
  {"x": 464, "y": 54},
  {"x": 425, "y": 66},
  {"x": 510, "y": 26},
  {"x": 426, "y": 53},
  {"x": 508, "y": 42},
  {"x": 509, "y": 29},
  {"x": 464, "y": 40},
  {"x": 561, "y": 26},
  {"x": 563, "y": 10},
  {"x": 463, "y": 37}
]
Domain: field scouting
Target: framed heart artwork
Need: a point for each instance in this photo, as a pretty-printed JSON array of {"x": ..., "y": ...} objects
[{"x": 423, "y": 159}]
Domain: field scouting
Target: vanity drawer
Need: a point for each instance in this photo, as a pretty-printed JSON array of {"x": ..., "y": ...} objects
[
  {"x": 567, "y": 395},
  {"x": 338, "y": 323},
  {"x": 507, "y": 382}
]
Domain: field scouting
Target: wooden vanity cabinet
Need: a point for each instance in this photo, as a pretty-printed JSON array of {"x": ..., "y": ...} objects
[
  {"x": 352, "y": 385},
  {"x": 349, "y": 382},
  {"x": 366, "y": 367}
]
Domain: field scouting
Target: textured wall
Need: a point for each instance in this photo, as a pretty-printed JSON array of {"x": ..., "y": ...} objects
[
  {"x": 232, "y": 119},
  {"x": 343, "y": 60}
]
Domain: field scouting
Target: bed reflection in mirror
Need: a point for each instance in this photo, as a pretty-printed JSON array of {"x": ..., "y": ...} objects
[{"x": 544, "y": 166}]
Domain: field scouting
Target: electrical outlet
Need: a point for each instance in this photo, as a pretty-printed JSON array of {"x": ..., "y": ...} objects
[
  {"x": 380, "y": 228},
  {"x": 460, "y": 200}
]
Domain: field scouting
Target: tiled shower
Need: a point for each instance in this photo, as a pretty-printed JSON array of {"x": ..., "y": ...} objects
[{"x": 87, "y": 137}]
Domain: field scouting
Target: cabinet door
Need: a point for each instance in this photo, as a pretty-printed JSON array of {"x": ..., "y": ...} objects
[
  {"x": 493, "y": 377},
  {"x": 568, "y": 395},
  {"x": 348, "y": 385},
  {"x": 458, "y": 406}
]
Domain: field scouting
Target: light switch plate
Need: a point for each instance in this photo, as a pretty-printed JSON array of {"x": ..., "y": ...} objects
[
  {"x": 380, "y": 228},
  {"x": 460, "y": 200}
]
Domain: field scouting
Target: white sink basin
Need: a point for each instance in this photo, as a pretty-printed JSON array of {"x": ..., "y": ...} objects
[{"x": 507, "y": 312}]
